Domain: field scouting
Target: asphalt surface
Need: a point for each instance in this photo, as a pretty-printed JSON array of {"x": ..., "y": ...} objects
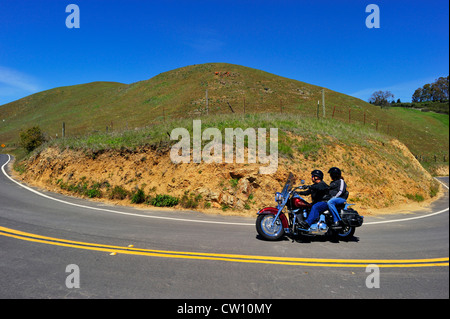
[{"x": 191, "y": 255}]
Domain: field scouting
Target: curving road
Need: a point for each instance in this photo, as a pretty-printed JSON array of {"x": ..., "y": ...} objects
[{"x": 191, "y": 255}]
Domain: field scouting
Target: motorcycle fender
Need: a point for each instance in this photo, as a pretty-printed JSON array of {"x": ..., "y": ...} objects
[{"x": 274, "y": 211}]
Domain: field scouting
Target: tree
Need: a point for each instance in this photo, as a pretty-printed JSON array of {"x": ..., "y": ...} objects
[
  {"x": 439, "y": 89},
  {"x": 426, "y": 92},
  {"x": 417, "y": 96},
  {"x": 436, "y": 91},
  {"x": 32, "y": 138},
  {"x": 381, "y": 98}
]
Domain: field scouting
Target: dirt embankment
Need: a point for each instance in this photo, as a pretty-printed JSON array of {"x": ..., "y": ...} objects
[{"x": 382, "y": 177}]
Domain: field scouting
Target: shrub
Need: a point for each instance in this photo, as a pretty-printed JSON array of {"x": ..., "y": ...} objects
[
  {"x": 93, "y": 192},
  {"x": 164, "y": 201},
  {"x": 417, "y": 197},
  {"x": 138, "y": 197},
  {"x": 32, "y": 138},
  {"x": 190, "y": 201},
  {"x": 118, "y": 192}
]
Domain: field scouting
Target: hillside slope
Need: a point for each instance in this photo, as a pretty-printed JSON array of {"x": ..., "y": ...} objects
[
  {"x": 174, "y": 94},
  {"x": 181, "y": 93},
  {"x": 379, "y": 170}
]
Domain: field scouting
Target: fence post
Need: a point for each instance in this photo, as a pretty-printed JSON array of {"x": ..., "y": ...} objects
[
  {"x": 323, "y": 101},
  {"x": 334, "y": 109},
  {"x": 318, "y": 104},
  {"x": 63, "y": 129},
  {"x": 207, "y": 104}
]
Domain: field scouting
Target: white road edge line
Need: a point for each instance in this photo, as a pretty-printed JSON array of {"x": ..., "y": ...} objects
[
  {"x": 192, "y": 220},
  {"x": 412, "y": 218},
  {"x": 114, "y": 211}
]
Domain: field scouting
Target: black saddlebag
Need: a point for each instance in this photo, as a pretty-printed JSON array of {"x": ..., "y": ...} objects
[{"x": 351, "y": 218}]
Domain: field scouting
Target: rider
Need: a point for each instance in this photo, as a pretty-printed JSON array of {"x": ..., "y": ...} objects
[
  {"x": 319, "y": 192},
  {"x": 338, "y": 193}
]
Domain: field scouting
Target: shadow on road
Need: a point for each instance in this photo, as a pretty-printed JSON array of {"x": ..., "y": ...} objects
[{"x": 304, "y": 239}]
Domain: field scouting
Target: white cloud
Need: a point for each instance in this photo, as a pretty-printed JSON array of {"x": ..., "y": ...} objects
[
  {"x": 15, "y": 84},
  {"x": 18, "y": 80}
]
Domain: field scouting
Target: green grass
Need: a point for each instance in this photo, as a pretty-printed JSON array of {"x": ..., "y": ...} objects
[
  {"x": 315, "y": 134},
  {"x": 178, "y": 96},
  {"x": 425, "y": 133}
]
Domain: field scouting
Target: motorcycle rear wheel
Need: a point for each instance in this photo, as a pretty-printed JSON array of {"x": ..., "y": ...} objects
[
  {"x": 266, "y": 230},
  {"x": 345, "y": 233}
]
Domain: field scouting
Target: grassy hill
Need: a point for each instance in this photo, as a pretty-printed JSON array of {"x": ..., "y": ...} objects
[{"x": 181, "y": 93}]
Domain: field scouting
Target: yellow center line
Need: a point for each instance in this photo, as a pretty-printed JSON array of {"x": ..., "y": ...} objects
[{"x": 316, "y": 262}]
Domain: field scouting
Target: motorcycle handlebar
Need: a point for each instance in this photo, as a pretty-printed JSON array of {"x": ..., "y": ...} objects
[{"x": 303, "y": 187}]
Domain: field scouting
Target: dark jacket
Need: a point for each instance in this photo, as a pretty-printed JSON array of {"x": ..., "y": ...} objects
[
  {"x": 319, "y": 192},
  {"x": 338, "y": 188}
]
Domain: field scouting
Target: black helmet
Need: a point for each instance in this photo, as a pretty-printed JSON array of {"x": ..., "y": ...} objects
[
  {"x": 317, "y": 173},
  {"x": 335, "y": 173}
]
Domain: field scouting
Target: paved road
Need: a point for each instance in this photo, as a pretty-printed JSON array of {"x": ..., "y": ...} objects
[{"x": 191, "y": 255}]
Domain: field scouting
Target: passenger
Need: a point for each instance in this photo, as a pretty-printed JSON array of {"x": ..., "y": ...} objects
[{"x": 338, "y": 193}]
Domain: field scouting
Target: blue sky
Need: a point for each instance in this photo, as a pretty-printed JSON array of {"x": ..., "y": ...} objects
[{"x": 325, "y": 43}]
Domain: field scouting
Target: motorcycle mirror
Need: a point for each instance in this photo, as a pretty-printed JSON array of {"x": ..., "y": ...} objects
[{"x": 302, "y": 181}]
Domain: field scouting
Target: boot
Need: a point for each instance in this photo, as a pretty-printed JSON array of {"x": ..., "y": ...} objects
[{"x": 304, "y": 225}]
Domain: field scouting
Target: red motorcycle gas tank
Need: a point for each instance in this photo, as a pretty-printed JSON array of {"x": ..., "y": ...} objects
[{"x": 297, "y": 202}]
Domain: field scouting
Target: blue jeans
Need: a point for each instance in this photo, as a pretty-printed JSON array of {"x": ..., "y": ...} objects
[
  {"x": 332, "y": 207},
  {"x": 317, "y": 208}
]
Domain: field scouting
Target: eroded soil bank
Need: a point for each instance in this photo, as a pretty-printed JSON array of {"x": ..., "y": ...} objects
[{"x": 382, "y": 178}]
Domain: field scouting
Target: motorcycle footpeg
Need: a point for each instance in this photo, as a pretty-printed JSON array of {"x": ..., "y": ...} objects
[{"x": 298, "y": 227}]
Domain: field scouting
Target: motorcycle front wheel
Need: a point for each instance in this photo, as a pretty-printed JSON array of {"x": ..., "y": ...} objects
[{"x": 266, "y": 230}]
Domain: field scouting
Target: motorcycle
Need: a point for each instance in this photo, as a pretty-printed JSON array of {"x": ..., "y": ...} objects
[{"x": 272, "y": 223}]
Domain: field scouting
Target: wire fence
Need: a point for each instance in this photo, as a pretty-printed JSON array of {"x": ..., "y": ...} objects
[{"x": 243, "y": 105}]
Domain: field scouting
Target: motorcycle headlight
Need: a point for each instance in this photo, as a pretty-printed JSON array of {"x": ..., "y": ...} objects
[{"x": 278, "y": 198}]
